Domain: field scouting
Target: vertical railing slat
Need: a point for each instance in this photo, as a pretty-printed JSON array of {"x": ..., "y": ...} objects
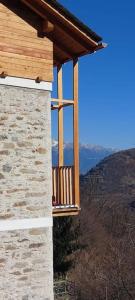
[
  {"x": 64, "y": 183},
  {"x": 71, "y": 185},
  {"x": 67, "y": 183}
]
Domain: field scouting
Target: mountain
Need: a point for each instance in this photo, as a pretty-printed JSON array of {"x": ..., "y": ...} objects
[
  {"x": 90, "y": 155},
  {"x": 104, "y": 259},
  {"x": 112, "y": 180},
  {"x": 107, "y": 222}
]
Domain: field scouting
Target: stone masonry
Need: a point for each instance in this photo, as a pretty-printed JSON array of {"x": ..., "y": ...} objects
[{"x": 26, "y": 270}]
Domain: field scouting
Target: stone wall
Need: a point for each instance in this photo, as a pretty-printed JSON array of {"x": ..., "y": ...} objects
[{"x": 25, "y": 192}]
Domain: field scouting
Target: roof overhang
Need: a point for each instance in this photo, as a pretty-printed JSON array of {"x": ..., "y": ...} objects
[{"x": 71, "y": 37}]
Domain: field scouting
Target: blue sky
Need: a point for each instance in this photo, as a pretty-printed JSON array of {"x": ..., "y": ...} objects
[{"x": 107, "y": 78}]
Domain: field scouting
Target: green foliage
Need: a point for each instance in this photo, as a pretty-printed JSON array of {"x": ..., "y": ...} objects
[{"x": 65, "y": 236}]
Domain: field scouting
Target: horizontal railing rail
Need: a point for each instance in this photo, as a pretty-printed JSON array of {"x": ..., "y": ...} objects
[{"x": 63, "y": 187}]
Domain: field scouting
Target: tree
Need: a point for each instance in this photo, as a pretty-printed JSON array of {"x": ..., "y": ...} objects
[{"x": 65, "y": 236}]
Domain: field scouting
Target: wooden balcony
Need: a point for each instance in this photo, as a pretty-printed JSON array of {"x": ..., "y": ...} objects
[
  {"x": 63, "y": 191},
  {"x": 66, "y": 196}
]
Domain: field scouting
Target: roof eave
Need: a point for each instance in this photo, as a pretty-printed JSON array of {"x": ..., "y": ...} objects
[
  {"x": 99, "y": 47},
  {"x": 75, "y": 20},
  {"x": 72, "y": 27},
  {"x": 56, "y": 15}
]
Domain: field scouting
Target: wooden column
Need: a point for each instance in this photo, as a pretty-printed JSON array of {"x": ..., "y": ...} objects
[
  {"x": 60, "y": 134},
  {"x": 76, "y": 132},
  {"x": 60, "y": 118}
]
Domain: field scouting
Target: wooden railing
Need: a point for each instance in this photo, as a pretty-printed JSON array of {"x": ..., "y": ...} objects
[{"x": 63, "y": 187}]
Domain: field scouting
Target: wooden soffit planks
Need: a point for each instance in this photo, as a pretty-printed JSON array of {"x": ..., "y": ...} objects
[{"x": 69, "y": 41}]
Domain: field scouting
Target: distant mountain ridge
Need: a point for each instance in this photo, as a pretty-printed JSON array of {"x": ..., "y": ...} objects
[{"x": 90, "y": 155}]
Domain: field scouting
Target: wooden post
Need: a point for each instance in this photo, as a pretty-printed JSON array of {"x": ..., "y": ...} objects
[
  {"x": 76, "y": 133},
  {"x": 60, "y": 118},
  {"x": 60, "y": 133}
]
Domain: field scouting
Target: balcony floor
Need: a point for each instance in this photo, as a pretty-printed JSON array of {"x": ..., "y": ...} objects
[{"x": 61, "y": 211}]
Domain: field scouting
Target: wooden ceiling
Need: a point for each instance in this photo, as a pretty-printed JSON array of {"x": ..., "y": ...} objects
[{"x": 70, "y": 37}]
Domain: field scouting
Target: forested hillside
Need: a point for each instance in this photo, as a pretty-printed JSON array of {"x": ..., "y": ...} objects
[{"x": 104, "y": 265}]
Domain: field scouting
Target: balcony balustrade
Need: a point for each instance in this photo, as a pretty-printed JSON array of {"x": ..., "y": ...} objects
[{"x": 63, "y": 191}]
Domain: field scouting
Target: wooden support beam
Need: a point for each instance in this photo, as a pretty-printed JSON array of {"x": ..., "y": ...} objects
[
  {"x": 76, "y": 133},
  {"x": 53, "y": 107},
  {"x": 60, "y": 117},
  {"x": 62, "y": 100},
  {"x": 3, "y": 74},
  {"x": 60, "y": 131},
  {"x": 67, "y": 104},
  {"x": 38, "y": 79},
  {"x": 47, "y": 27}
]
